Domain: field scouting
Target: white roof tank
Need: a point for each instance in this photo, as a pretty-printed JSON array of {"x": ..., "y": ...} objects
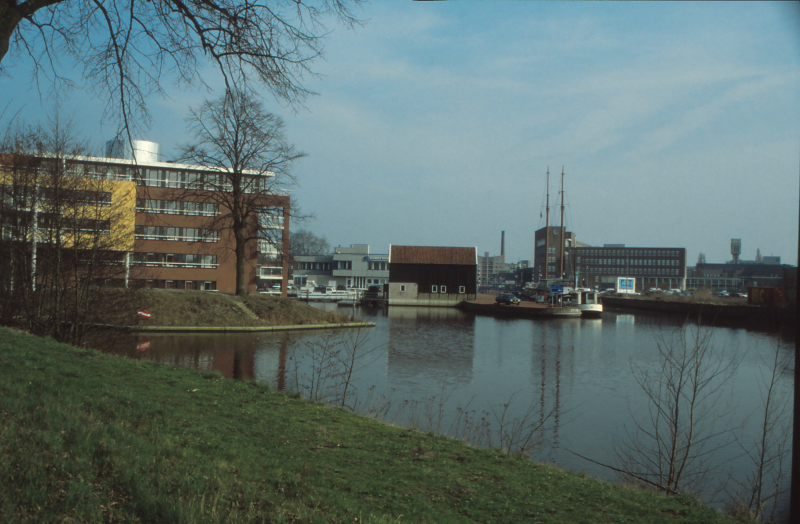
[{"x": 143, "y": 151}]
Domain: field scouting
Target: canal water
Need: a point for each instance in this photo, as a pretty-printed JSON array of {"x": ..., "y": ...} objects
[{"x": 571, "y": 386}]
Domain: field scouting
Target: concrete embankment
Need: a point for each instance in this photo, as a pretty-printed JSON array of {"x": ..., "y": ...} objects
[
  {"x": 727, "y": 311},
  {"x": 250, "y": 329}
]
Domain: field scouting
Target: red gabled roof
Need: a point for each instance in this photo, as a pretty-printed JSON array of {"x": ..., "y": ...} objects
[{"x": 432, "y": 255}]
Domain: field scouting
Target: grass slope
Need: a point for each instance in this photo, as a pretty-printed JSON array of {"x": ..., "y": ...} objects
[
  {"x": 87, "y": 437},
  {"x": 190, "y": 308}
]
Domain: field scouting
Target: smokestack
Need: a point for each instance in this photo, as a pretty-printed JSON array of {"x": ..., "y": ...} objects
[{"x": 503, "y": 244}]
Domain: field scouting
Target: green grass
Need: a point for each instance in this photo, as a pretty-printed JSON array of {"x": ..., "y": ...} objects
[
  {"x": 192, "y": 308},
  {"x": 88, "y": 437}
]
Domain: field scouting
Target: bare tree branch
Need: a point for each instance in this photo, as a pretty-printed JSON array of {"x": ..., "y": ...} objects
[{"x": 128, "y": 48}]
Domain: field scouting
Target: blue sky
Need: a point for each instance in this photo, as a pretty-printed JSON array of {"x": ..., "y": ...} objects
[{"x": 677, "y": 124}]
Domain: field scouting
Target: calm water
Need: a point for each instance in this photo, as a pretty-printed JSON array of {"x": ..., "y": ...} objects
[{"x": 438, "y": 366}]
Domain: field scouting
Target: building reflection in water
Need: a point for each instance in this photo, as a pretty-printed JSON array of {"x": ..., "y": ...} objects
[
  {"x": 429, "y": 345},
  {"x": 237, "y": 356}
]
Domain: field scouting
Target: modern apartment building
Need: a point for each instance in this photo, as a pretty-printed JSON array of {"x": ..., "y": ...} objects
[
  {"x": 178, "y": 244},
  {"x": 171, "y": 243}
]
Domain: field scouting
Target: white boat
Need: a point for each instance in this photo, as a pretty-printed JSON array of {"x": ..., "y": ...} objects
[
  {"x": 587, "y": 301},
  {"x": 325, "y": 294}
]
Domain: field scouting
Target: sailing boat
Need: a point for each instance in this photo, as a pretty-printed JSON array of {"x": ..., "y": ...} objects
[{"x": 559, "y": 291}]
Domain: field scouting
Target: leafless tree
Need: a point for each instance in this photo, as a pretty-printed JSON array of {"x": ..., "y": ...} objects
[
  {"x": 326, "y": 370},
  {"x": 65, "y": 235},
  {"x": 129, "y": 49},
  {"x": 756, "y": 496},
  {"x": 671, "y": 447},
  {"x": 304, "y": 242},
  {"x": 245, "y": 147}
]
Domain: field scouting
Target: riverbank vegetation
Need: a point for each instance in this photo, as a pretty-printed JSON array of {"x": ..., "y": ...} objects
[{"x": 90, "y": 437}]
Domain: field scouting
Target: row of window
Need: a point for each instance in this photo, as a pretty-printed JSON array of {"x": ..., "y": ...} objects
[
  {"x": 22, "y": 196},
  {"x": 441, "y": 289},
  {"x": 328, "y": 266},
  {"x": 98, "y": 171},
  {"x": 194, "y": 180},
  {"x": 185, "y": 234},
  {"x": 198, "y": 285},
  {"x": 631, "y": 252},
  {"x": 628, "y": 262},
  {"x": 314, "y": 266},
  {"x": 70, "y": 224},
  {"x": 175, "y": 260},
  {"x": 340, "y": 264},
  {"x": 632, "y": 271},
  {"x": 176, "y": 207}
]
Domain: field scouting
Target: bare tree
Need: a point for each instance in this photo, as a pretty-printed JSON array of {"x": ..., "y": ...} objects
[
  {"x": 757, "y": 495},
  {"x": 245, "y": 147},
  {"x": 65, "y": 235},
  {"x": 128, "y": 49},
  {"x": 671, "y": 447},
  {"x": 304, "y": 242}
]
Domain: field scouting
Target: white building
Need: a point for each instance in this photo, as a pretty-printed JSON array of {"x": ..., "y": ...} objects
[{"x": 348, "y": 267}]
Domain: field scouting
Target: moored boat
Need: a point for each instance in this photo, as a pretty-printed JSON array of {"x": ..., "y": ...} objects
[
  {"x": 326, "y": 294},
  {"x": 587, "y": 301}
]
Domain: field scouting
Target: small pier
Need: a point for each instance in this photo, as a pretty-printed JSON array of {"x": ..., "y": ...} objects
[{"x": 485, "y": 304}]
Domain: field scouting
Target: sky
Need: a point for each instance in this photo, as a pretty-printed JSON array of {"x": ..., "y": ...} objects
[{"x": 435, "y": 123}]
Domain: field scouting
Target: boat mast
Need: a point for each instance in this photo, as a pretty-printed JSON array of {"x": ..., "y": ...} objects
[
  {"x": 547, "y": 226},
  {"x": 563, "y": 240}
]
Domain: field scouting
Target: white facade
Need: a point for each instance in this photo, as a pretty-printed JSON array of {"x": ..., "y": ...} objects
[{"x": 348, "y": 267}]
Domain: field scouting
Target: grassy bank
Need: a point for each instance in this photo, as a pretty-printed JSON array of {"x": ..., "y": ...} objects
[
  {"x": 87, "y": 437},
  {"x": 191, "y": 308}
]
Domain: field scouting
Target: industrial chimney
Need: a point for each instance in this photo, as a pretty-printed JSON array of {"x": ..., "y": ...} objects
[{"x": 503, "y": 244}]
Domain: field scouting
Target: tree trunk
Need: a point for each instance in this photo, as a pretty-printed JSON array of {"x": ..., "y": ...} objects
[{"x": 239, "y": 233}]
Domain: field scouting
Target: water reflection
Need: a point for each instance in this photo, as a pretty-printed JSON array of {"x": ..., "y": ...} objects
[
  {"x": 447, "y": 361},
  {"x": 236, "y": 356},
  {"x": 572, "y": 377}
]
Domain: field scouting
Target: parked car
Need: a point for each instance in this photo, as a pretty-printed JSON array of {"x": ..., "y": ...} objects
[{"x": 508, "y": 299}]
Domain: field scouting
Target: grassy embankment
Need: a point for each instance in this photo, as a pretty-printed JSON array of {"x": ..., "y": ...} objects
[
  {"x": 88, "y": 437},
  {"x": 190, "y": 308}
]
